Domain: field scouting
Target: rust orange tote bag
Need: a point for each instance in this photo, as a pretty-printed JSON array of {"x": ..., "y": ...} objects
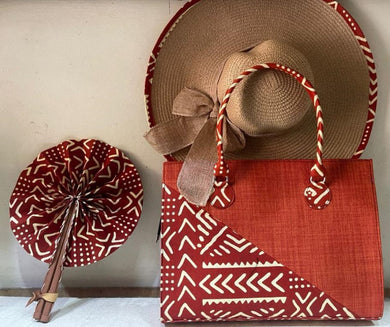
[{"x": 268, "y": 246}]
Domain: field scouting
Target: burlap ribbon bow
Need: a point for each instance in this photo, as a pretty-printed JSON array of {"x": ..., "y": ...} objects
[{"x": 195, "y": 125}]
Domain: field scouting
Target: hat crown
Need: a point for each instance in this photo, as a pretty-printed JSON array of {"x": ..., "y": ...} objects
[{"x": 267, "y": 102}]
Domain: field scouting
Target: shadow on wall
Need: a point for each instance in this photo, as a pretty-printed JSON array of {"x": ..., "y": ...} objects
[{"x": 32, "y": 271}]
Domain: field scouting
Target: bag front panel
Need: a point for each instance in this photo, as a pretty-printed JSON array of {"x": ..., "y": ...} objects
[{"x": 336, "y": 250}]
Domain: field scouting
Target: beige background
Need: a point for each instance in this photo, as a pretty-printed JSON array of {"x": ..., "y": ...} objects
[{"x": 75, "y": 69}]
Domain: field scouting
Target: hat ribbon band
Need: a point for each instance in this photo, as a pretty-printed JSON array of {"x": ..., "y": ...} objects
[
  {"x": 195, "y": 124},
  {"x": 192, "y": 109}
]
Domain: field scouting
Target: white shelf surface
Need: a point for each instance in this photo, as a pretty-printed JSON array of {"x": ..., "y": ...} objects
[{"x": 129, "y": 312}]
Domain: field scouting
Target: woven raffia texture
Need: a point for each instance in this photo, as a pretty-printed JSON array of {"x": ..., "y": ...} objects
[{"x": 337, "y": 249}]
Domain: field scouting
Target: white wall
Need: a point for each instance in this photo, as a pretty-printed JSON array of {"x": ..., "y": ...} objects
[{"x": 75, "y": 69}]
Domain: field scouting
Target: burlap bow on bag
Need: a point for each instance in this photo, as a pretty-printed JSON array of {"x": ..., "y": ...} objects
[
  {"x": 195, "y": 125},
  {"x": 199, "y": 52},
  {"x": 260, "y": 108}
]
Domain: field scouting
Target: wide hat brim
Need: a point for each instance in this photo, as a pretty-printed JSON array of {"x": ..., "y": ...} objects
[{"x": 194, "y": 46}]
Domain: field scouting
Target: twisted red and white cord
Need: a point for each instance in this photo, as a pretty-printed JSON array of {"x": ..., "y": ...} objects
[{"x": 317, "y": 194}]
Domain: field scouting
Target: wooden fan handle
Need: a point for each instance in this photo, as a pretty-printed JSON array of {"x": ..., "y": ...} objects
[{"x": 53, "y": 275}]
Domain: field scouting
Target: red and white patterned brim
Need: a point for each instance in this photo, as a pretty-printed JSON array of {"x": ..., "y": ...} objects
[{"x": 168, "y": 74}]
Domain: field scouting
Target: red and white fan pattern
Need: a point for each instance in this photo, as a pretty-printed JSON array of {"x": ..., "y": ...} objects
[{"x": 106, "y": 187}]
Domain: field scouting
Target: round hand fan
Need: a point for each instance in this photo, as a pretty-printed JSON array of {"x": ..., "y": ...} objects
[{"x": 74, "y": 205}]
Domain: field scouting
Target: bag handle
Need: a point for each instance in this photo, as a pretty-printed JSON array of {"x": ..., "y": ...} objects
[{"x": 317, "y": 195}]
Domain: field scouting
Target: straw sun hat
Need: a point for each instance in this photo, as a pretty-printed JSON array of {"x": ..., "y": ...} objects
[{"x": 210, "y": 42}]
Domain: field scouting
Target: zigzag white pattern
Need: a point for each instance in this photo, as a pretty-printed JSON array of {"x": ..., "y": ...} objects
[
  {"x": 262, "y": 279},
  {"x": 165, "y": 255},
  {"x": 328, "y": 302},
  {"x": 214, "y": 281},
  {"x": 80, "y": 235},
  {"x": 236, "y": 240},
  {"x": 166, "y": 312},
  {"x": 185, "y": 289},
  {"x": 238, "y": 249},
  {"x": 277, "y": 314},
  {"x": 308, "y": 308},
  {"x": 275, "y": 283},
  {"x": 240, "y": 314},
  {"x": 165, "y": 300},
  {"x": 206, "y": 316},
  {"x": 244, "y": 300},
  {"x": 39, "y": 252},
  {"x": 108, "y": 175},
  {"x": 38, "y": 167},
  {"x": 358, "y": 153},
  {"x": 201, "y": 284},
  {"x": 257, "y": 314},
  {"x": 237, "y": 283},
  {"x": 371, "y": 102},
  {"x": 46, "y": 237},
  {"x": 166, "y": 189},
  {"x": 186, "y": 239},
  {"x": 244, "y": 279},
  {"x": 297, "y": 309},
  {"x": 11, "y": 205},
  {"x": 202, "y": 230},
  {"x": 166, "y": 232},
  {"x": 171, "y": 29},
  {"x": 36, "y": 225},
  {"x": 225, "y": 283},
  {"x": 167, "y": 243},
  {"x": 186, "y": 205},
  {"x": 184, "y": 258},
  {"x": 334, "y": 4},
  {"x": 186, "y": 222},
  {"x": 209, "y": 218},
  {"x": 17, "y": 210},
  {"x": 81, "y": 162},
  {"x": 94, "y": 228},
  {"x": 249, "y": 282},
  {"x": 112, "y": 246},
  {"x": 13, "y": 220},
  {"x": 349, "y": 314},
  {"x": 361, "y": 39},
  {"x": 101, "y": 249},
  {"x": 33, "y": 208},
  {"x": 224, "y": 249},
  {"x": 298, "y": 295},
  {"x": 225, "y": 314},
  {"x": 185, "y": 306},
  {"x": 184, "y": 274},
  {"x": 204, "y": 222},
  {"x": 214, "y": 239},
  {"x": 218, "y": 200}
]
